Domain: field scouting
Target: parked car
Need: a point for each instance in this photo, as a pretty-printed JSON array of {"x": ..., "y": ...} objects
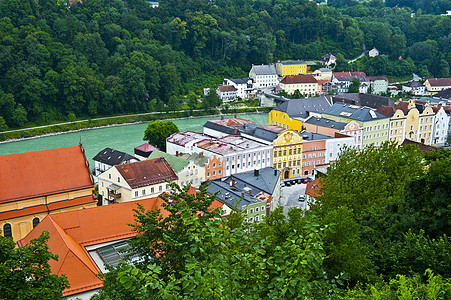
[
  {"x": 298, "y": 181},
  {"x": 287, "y": 183},
  {"x": 293, "y": 182},
  {"x": 301, "y": 198},
  {"x": 304, "y": 180}
]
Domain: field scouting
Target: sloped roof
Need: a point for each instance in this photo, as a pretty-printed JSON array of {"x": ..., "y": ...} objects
[
  {"x": 230, "y": 195},
  {"x": 353, "y": 112},
  {"x": 293, "y": 62},
  {"x": 300, "y": 108},
  {"x": 423, "y": 147},
  {"x": 267, "y": 132},
  {"x": 313, "y": 188},
  {"x": 41, "y": 173},
  {"x": 403, "y": 106},
  {"x": 264, "y": 69},
  {"x": 298, "y": 79},
  {"x": 386, "y": 111},
  {"x": 112, "y": 157},
  {"x": 369, "y": 100},
  {"x": 146, "y": 147},
  {"x": 243, "y": 80},
  {"x": 177, "y": 163},
  {"x": 349, "y": 74},
  {"x": 374, "y": 78},
  {"x": 198, "y": 159},
  {"x": 446, "y": 94},
  {"x": 146, "y": 172},
  {"x": 70, "y": 232},
  {"x": 322, "y": 122},
  {"x": 414, "y": 84},
  {"x": 439, "y": 81},
  {"x": 227, "y": 88}
]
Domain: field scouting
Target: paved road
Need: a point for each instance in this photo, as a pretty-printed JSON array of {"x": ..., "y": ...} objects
[{"x": 290, "y": 196}]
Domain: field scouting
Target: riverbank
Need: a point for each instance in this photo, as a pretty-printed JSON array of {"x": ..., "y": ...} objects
[{"x": 82, "y": 125}]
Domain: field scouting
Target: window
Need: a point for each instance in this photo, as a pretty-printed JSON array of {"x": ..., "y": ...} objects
[
  {"x": 152, "y": 190},
  {"x": 208, "y": 174},
  {"x": 256, "y": 209},
  {"x": 7, "y": 230},
  {"x": 214, "y": 172},
  {"x": 136, "y": 193},
  {"x": 35, "y": 222},
  {"x": 220, "y": 172},
  {"x": 118, "y": 179},
  {"x": 251, "y": 211},
  {"x": 109, "y": 176},
  {"x": 256, "y": 218},
  {"x": 214, "y": 165},
  {"x": 275, "y": 153},
  {"x": 160, "y": 188},
  {"x": 196, "y": 172},
  {"x": 143, "y": 192},
  {"x": 102, "y": 183}
]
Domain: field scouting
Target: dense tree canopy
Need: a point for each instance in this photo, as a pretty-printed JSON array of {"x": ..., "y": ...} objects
[
  {"x": 158, "y": 131},
  {"x": 98, "y": 57},
  {"x": 25, "y": 272}
]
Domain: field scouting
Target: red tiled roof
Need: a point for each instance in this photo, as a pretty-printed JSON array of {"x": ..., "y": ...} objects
[
  {"x": 322, "y": 81},
  {"x": 41, "y": 173},
  {"x": 70, "y": 232},
  {"x": 387, "y": 111},
  {"x": 43, "y": 208},
  {"x": 439, "y": 81},
  {"x": 402, "y": 105},
  {"x": 146, "y": 172},
  {"x": 296, "y": 79},
  {"x": 227, "y": 88},
  {"x": 313, "y": 188}
]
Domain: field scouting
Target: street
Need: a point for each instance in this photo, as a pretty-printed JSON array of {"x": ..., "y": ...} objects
[{"x": 290, "y": 196}]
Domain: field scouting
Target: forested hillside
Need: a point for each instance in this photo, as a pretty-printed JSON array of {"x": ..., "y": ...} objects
[{"x": 100, "y": 57}]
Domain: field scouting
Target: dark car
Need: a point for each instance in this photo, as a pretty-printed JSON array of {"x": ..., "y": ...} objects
[
  {"x": 287, "y": 183},
  {"x": 304, "y": 180},
  {"x": 298, "y": 181},
  {"x": 293, "y": 182}
]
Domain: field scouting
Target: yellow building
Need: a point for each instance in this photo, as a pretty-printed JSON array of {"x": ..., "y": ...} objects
[
  {"x": 282, "y": 119},
  {"x": 287, "y": 155},
  {"x": 410, "y": 123},
  {"x": 295, "y": 67},
  {"x": 36, "y": 184},
  {"x": 307, "y": 85}
]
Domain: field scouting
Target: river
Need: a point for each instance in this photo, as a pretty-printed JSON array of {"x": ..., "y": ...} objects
[{"x": 123, "y": 138}]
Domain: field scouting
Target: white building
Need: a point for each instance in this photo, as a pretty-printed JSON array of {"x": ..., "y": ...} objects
[
  {"x": 440, "y": 126},
  {"x": 227, "y": 93},
  {"x": 414, "y": 87},
  {"x": 183, "y": 142},
  {"x": 336, "y": 145},
  {"x": 243, "y": 86},
  {"x": 108, "y": 157},
  {"x": 264, "y": 76},
  {"x": 373, "y": 52},
  {"x": 322, "y": 74}
]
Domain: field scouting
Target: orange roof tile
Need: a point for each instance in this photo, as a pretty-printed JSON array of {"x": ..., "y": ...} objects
[
  {"x": 43, "y": 173},
  {"x": 295, "y": 79},
  {"x": 403, "y": 106},
  {"x": 313, "y": 188},
  {"x": 70, "y": 232}
]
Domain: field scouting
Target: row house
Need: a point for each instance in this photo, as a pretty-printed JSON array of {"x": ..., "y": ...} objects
[
  {"x": 36, "y": 184},
  {"x": 264, "y": 76},
  {"x": 135, "y": 181},
  {"x": 342, "y": 80},
  {"x": 291, "y": 113},
  {"x": 332, "y": 128},
  {"x": 307, "y": 85},
  {"x": 255, "y": 193},
  {"x": 189, "y": 172},
  {"x": 417, "y": 122},
  {"x": 374, "y": 125},
  {"x": 323, "y": 74},
  {"x": 378, "y": 84},
  {"x": 293, "y": 67}
]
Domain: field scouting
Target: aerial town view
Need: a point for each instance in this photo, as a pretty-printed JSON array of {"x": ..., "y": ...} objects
[{"x": 225, "y": 149}]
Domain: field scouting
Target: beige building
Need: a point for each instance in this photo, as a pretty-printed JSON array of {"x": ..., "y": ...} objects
[
  {"x": 135, "y": 181},
  {"x": 435, "y": 85},
  {"x": 323, "y": 74},
  {"x": 36, "y": 184}
]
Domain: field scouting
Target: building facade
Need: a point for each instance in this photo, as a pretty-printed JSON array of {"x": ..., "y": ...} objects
[
  {"x": 287, "y": 153},
  {"x": 264, "y": 76},
  {"x": 307, "y": 85}
]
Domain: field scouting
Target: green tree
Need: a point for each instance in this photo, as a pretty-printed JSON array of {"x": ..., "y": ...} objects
[
  {"x": 192, "y": 101},
  {"x": 203, "y": 256},
  {"x": 355, "y": 85},
  {"x": 3, "y": 125},
  {"x": 158, "y": 131},
  {"x": 211, "y": 100},
  {"x": 25, "y": 272}
]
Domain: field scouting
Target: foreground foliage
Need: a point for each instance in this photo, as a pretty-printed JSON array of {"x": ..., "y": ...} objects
[{"x": 25, "y": 272}]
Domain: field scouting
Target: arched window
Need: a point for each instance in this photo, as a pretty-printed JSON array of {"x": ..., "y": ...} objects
[
  {"x": 7, "y": 230},
  {"x": 35, "y": 222}
]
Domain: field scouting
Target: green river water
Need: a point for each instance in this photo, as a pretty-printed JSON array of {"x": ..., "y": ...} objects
[{"x": 123, "y": 138}]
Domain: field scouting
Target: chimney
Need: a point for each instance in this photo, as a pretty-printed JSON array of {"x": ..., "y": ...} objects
[
  {"x": 235, "y": 130},
  {"x": 176, "y": 153},
  {"x": 312, "y": 137},
  {"x": 201, "y": 154},
  {"x": 222, "y": 117},
  {"x": 242, "y": 194},
  {"x": 250, "y": 192},
  {"x": 232, "y": 183},
  {"x": 256, "y": 172}
]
